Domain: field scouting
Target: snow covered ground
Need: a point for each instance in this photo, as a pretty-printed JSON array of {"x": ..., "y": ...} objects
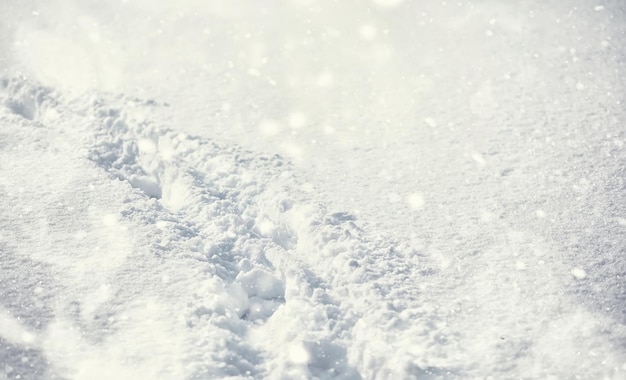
[{"x": 296, "y": 189}]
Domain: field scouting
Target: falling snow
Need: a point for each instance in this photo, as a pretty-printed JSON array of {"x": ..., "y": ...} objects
[{"x": 312, "y": 189}]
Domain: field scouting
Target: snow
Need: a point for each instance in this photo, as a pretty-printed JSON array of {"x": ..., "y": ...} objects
[{"x": 312, "y": 189}]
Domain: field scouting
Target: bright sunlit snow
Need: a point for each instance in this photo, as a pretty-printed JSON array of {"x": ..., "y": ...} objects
[{"x": 312, "y": 189}]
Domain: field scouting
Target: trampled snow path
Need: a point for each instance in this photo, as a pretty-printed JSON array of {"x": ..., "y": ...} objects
[
  {"x": 454, "y": 208},
  {"x": 203, "y": 261},
  {"x": 137, "y": 251}
]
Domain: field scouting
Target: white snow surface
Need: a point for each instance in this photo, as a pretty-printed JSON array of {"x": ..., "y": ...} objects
[{"x": 312, "y": 189}]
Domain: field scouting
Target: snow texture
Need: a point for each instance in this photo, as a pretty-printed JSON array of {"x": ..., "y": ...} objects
[{"x": 312, "y": 190}]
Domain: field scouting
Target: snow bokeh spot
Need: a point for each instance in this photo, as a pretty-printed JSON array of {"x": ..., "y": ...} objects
[
  {"x": 12, "y": 330},
  {"x": 415, "y": 201},
  {"x": 479, "y": 159},
  {"x": 110, "y": 220},
  {"x": 325, "y": 79},
  {"x": 269, "y": 127},
  {"x": 293, "y": 150},
  {"x": 297, "y": 120},
  {"x": 430, "y": 122},
  {"x": 579, "y": 273},
  {"x": 299, "y": 354},
  {"x": 368, "y": 32},
  {"x": 387, "y": 4}
]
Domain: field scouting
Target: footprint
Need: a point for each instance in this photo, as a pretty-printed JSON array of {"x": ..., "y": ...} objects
[
  {"x": 265, "y": 292},
  {"x": 25, "y": 101},
  {"x": 148, "y": 185},
  {"x": 338, "y": 218}
]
